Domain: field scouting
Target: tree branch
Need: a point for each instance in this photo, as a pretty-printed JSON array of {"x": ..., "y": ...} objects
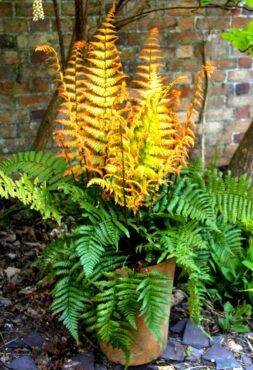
[
  {"x": 59, "y": 31},
  {"x": 121, "y": 23}
]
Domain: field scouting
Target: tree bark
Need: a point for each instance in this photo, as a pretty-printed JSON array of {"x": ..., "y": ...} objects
[{"x": 242, "y": 160}]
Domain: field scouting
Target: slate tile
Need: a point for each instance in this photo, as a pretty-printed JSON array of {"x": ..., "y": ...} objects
[
  {"x": 218, "y": 339},
  {"x": 22, "y": 363},
  {"x": 100, "y": 367},
  {"x": 217, "y": 351},
  {"x": 194, "y": 336},
  {"x": 85, "y": 361},
  {"x": 179, "y": 327},
  {"x": 15, "y": 343},
  {"x": 34, "y": 339},
  {"x": 174, "y": 351},
  {"x": 228, "y": 363},
  {"x": 246, "y": 360},
  {"x": 195, "y": 354}
]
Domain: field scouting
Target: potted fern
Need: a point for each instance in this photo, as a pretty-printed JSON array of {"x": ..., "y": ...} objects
[{"x": 121, "y": 157}]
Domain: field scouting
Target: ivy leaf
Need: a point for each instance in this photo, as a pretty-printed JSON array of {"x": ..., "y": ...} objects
[{"x": 249, "y": 2}]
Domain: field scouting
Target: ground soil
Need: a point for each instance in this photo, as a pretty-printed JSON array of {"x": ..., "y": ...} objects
[{"x": 25, "y": 305}]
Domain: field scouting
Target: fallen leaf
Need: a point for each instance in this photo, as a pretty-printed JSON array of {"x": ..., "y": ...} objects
[
  {"x": 178, "y": 297},
  {"x": 233, "y": 346},
  {"x": 11, "y": 272}
]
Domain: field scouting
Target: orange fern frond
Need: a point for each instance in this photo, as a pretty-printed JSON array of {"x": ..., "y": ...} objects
[
  {"x": 53, "y": 60},
  {"x": 197, "y": 100}
]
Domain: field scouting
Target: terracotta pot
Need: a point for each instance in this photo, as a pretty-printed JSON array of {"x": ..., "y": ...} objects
[{"x": 146, "y": 347}]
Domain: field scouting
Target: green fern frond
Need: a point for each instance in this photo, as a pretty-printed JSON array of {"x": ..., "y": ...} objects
[
  {"x": 31, "y": 193},
  {"x": 154, "y": 291},
  {"x": 88, "y": 247},
  {"x": 233, "y": 197},
  {"x": 227, "y": 250},
  {"x": 69, "y": 302},
  {"x": 44, "y": 166},
  {"x": 192, "y": 202}
]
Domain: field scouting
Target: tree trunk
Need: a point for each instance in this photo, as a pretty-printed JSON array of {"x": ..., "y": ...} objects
[
  {"x": 47, "y": 124},
  {"x": 242, "y": 160}
]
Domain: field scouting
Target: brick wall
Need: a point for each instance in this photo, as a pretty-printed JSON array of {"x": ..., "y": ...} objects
[{"x": 26, "y": 87}]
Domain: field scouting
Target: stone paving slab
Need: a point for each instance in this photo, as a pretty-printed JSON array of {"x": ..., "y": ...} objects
[
  {"x": 22, "y": 363},
  {"x": 194, "y": 336},
  {"x": 217, "y": 351},
  {"x": 174, "y": 351}
]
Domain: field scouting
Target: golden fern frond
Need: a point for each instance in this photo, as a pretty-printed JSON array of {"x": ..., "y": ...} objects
[
  {"x": 104, "y": 79},
  {"x": 53, "y": 60},
  {"x": 197, "y": 100},
  {"x": 151, "y": 56}
]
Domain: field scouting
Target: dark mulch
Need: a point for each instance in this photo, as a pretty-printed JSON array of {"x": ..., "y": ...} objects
[{"x": 29, "y": 334}]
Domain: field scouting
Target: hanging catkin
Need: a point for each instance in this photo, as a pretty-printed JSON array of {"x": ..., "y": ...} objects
[{"x": 38, "y": 12}]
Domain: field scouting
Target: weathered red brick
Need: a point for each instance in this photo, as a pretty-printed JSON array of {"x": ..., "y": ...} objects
[
  {"x": 37, "y": 115},
  {"x": 5, "y": 9},
  {"x": 218, "y": 76},
  {"x": 184, "y": 65},
  {"x": 40, "y": 86},
  {"x": 219, "y": 113},
  {"x": 217, "y": 12},
  {"x": 242, "y": 88},
  {"x": 15, "y": 25},
  {"x": 13, "y": 87},
  {"x": 184, "y": 38},
  {"x": 8, "y": 42},
  {"x": 225, "y": 63},
  {"x": 23, "y": 9},
  {"x": 213, "y": 23},
  {"x": 67, "y": 9},
  {"x": 245, "y": 62},
  {"x": 237, "y": 137},
  {"x": 133, "y": 36},
  {"x": 34, "y": 100},
  {"x": 8, "y": 73},
  {"x": 239, "y": 101},
  {"x": 15, "y": 145},
  {"x": 220, "y": 89},
  {"x": 182, "y": 12},
  {"x": 39, "y": 26},
  {"x": 68, "y": 25},
  {"x": 8, "y": 131},
  {"x": 160, "y": 23},
  {"x": 242, "y": 75},
  {"x": 186, "y": 23},
  {"x": 239, "y": 22},
  {"x": 7, "y": 102},
  {"x": 10, "y": 57},
  {"x": 242, "y": 112},
  {"x": 185, "y": 51}
]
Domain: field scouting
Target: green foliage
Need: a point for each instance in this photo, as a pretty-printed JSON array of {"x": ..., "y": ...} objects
[
  {"x": 241, "y": 38},
  {"x": 201, "y": 218},
  {"x": 92, "y": 239},
  {"x": 234, "y": 318},
  {"x": 44, "y": 166},
  {"x": 31, "y": 193},
  {"x": 230, "y": 2},
  {"x": 69, "y": 302},
  {"x": 153, "y": 294}
]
